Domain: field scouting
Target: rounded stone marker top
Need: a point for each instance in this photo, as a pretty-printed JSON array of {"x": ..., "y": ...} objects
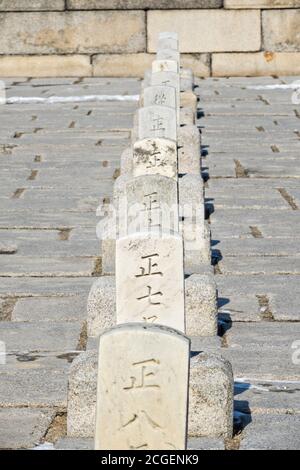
[{"x": 145, "y": 327}]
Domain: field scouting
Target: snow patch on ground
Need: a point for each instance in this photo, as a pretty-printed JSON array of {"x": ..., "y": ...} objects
[
  {"x": 44, "y": 446},
  {"x": 290, "y": 86},
  {"x": 70, "y": 99}
]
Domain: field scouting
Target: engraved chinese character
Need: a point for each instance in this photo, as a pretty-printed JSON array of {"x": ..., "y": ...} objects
[
  {"x": 155, "y": 160},
  {"x": 160, "y": 98},
  {"x": 144, "y": 416},
  {"x": 150, "y": 269},
  {"x": 150, "y": 295},
  {"x": 151, "y": 204},
  {"x": 153, "y": 435},
  {"x": 143, "y": 420},
  {"x": 157, "y": 124},
  {"x": 143, "y": 378},
  {"x": 151, "y": 201}
]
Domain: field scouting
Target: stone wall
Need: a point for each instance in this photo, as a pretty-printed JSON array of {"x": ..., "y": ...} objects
[{"x": 118, "y": 37}]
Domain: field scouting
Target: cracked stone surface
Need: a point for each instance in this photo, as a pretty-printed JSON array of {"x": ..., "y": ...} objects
[{"x": 58, "y": 163}]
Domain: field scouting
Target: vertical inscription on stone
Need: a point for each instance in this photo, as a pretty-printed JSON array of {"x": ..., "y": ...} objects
[
  {"x": 155, "y": 156},
  {"x": 157, "y": 121},
  {"x": 170, "y": 79},
  {"x": 152, "y": 208},
  {"x": 160, "y": 95},
  {"x": 149, "y": 280},
  {"x": 157, "y": 206},
  {"x": 142, "y": 389}
]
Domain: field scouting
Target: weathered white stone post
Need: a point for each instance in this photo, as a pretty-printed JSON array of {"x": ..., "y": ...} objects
[{"x": 142, "y": 392}]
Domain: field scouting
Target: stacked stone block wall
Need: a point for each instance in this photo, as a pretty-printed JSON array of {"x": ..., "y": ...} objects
[{"x": 118, "y": 37}]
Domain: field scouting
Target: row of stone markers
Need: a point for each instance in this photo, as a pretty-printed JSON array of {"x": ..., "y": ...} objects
[{"x": 157, "y": 287}]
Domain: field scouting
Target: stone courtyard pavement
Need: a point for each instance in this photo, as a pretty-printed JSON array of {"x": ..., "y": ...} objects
[{"x": 59, "y": 161}]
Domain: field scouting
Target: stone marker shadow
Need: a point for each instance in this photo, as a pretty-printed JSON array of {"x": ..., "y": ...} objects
[{"x": 241, "y": 408}]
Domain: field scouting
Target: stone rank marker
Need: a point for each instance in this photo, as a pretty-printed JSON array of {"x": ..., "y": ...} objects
[
  {"x": 155, "y": 156},
  {"x": 157, "y": 209},
  {"x": 166, "y": 65},
  {"x": 170, "y": 79},
  {"x": 157, "y": 121},
  {"x": 142, "y": 396},
  {"x": 144, "y": 203},
  {"x": 150, "y": 280},
  {"x": 166, "y": 79},
  {"x": 160, "y": 95}
]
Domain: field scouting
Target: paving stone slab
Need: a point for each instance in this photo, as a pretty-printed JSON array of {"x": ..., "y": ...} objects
[
  {"x": 39, "y": 336},
  {"x": 46, "y": 220},
  {"x": 260, "y": 265},
  {"x": 69, "y": 138},
  {"x": 255, "y": 169},
  {"x": 22, "y": 428},
  {"x": 269, "y": 348},
  {"x": 64, "y": 162},
  {"x": 242, "y": 108},
  {"x": 35, "y": 379},
  {"x": 258, "y": 247},
  {"x": 25, "y": 287},
  {"x": 281, "y": 292},
  {"x": 255, "y": 364},
  {"x": 239, "y": 221},
  {"x": 260, "y": 284},
  {"x": 220, "y": 186},
  {"x": 272, "y": 432},
  {"x": 219, "y": 144},
  {"x": 46, "y": 267},
  {"x": 206, "y": 443},
  {"x": 285, "y": 308},
  {"x": 43, "y": 245},
  {"x": 74, "y": 443},
  {"x": 259, "y": 126},
  {"x": 266, "y": 144},
  {"x": 273, "y": 202},
  {"x": 240, "y": 308},
  {"x": 109, "y": 85},
  {"x": 266, "y": 397},
  {"x": 50, "y": 309},
  {"x": 242, "y": 185}
]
